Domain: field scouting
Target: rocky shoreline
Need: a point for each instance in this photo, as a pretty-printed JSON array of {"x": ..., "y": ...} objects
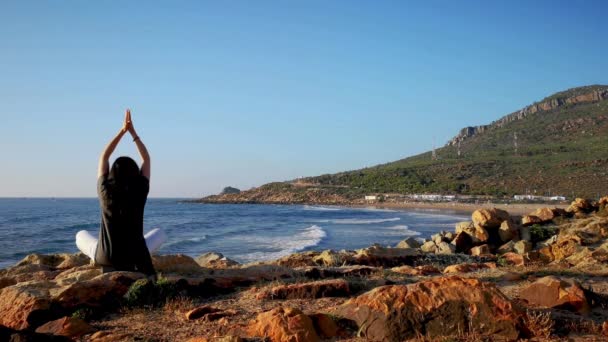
[{"x": 539, "y": 276}]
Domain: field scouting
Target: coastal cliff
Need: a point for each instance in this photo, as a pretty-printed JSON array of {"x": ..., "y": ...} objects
[
  {"x": 497, "y": 277},
  {"x": 589, "y": 94}
]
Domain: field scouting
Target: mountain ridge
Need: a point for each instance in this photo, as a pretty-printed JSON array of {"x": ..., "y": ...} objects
[{"x": 555, "y": 146}]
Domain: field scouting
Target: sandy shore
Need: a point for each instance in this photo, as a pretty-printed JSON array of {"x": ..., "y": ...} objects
[{"x": 513, "y": 208}]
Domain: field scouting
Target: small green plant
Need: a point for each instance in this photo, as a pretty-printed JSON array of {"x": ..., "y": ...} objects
[
  {"x": 83, "y": 313},
  {"x": 541, "y": 233}
]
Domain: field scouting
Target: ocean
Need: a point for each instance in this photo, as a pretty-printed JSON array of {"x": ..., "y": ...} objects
[{"x": 243, "y": 232}]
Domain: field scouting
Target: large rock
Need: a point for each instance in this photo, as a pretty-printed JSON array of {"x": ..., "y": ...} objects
[
  {"x": 429, "y": 247},
  {"x": 463, "y": 242},
  {"x": 443, "y": 306},
  {"x": 422, "y": 270},
  {"x": 410, "y": 242},
  {"x": 103, "y": 291},
  {"x": 298, "y": 259},
  {"x": 529, "y": 220},
  {"x": 388, "y": 257},
  {"x": 215, "y": 260},
  {"x": 556, "y": 293},
  {"x": 445, "y": 248},
  {"x": 284, "y": 324},
  {"x": 480, "y": 250},
  {"x": 175, "y": 263},
  {"x": 66, "y": 326},
  {"x": 468, "y": 228},
  {"x": 548, "y": 214},
  {"x": 25, "y": 305},
  {"x": 509, "y": 230},
  {"x": 522, "y": 247},
  {"x": 489, "y": 218},
  {"x": 581, "y": 205},
  {"x": 330, "y": 258},
  {"x": 310, "y": 290},
  {"x": 59, "y": 261}
]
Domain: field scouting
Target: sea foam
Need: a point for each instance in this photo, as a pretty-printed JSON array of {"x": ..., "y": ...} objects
[
  {"x": 284, "y": 245},
  {"x": 360, "y": 221}
]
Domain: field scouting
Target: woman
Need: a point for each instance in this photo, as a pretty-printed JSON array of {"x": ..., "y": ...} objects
[{"x": 122, "y": 190}]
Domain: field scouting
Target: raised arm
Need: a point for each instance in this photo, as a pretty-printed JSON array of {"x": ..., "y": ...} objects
[
  {"x": 143, "y": 151},
  {"x": 104, "y": 164}
]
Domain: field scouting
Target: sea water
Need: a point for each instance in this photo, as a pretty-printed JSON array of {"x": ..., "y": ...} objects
[{"x": 243, "y": 232}]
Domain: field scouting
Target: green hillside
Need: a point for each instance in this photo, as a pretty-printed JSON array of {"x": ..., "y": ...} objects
[{"x": 562, "y": 149}]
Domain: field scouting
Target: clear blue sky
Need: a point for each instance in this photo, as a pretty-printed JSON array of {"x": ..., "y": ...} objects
[{"x": 242, "y": 93}]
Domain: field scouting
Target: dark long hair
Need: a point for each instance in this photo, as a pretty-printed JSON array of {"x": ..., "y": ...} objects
[{"x": 122, "y": 180}]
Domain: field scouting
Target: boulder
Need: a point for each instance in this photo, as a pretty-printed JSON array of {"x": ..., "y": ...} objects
[
  {"x": 298, "y": 259},
  {"x": 66, "y": 326},
  {"x": 565, "y": 247},
  {"x": 385, "y": 256},
  {"x": 468, "y": 228},
  {"x": 441, "y": 306},
  {"x": 410, "y": 242},
  {"x": 529, "y": 220},
  {"x": 553, "y": 292},
  {"x": 463, "y": 242},
  {"x": 489, "y": 218},
  {"x": 175, "y": 263},
  {"x": 581, "y": 205},
  {"x": 330, "y": 258},
  {"x": 429, "y": 247},
  {"x": 522, "y": 247},
  {"x": 480, "y": 250},
  {"x": 215, "y": 260},
  {"x": 547, "y": 214},
  {"x": 445, "y": 248},
  {"x": 25, "y": 305},
  {"x": 310, "y": 290},
  {"x": 506, "y": 248},
  {"x": 283, "y": 324},
  {"x": 422, "y": 270},
  {"x": 59, "y": 261},
  {"x": 513, "y": 259},
  {"x": 481, "y": 234},
  {"x": 509, "y": 230},
  {"x": 103, "y": 291}
]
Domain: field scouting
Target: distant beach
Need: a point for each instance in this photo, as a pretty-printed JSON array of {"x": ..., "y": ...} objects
[{"x": 512, "y": 208}]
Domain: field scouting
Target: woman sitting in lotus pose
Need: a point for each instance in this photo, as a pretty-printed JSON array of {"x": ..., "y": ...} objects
[{"x": 122, "y": 190}]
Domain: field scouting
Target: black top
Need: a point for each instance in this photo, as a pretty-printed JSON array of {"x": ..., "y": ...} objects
[{"x": 121, "y": 235}]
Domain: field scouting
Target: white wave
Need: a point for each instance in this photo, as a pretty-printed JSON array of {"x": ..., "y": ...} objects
[
  {"x": 192, "y": 239},
  {"x": 317, "y": 208},
  {"x": 360, "y": 221},
  {"x": 286, "y": 245},
  {"x": 378, "y": 209},
  {"x": 400, "y": 230}
]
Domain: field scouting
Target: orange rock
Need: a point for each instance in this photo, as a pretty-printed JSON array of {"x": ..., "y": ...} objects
[
  {"x": 480, "y": 250},
  {"x": 605, "y": 328},
  {"x": 565, "y": 247},
  {"x": 544, "y": 214},
  {"x": 201, "y": 311},
  {"x": 178, "y": 263},
  {"x": 489, "y": 218},
  {"x": 508, "y": 230},
  {"x": 546, "y": 254},
  {"x": 442, "y": 306},
  {"x": 24, "y": 305},
  {"x": 66, "y": 326},
  {"x": 513, "y": 259},
  {"x": 528, "y": 220},
  {"x": 418, "y": 270},
  {"x": 512, "y": 276},
  {"x": 553, "y": 292},
  {"x": 284, "y": 324}
]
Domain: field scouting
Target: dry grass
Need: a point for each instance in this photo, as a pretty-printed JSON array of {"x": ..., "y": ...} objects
[{"x": 540, "y": 323}]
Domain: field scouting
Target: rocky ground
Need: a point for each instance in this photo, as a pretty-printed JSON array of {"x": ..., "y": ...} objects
[{"x": 542, "y": 276}]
